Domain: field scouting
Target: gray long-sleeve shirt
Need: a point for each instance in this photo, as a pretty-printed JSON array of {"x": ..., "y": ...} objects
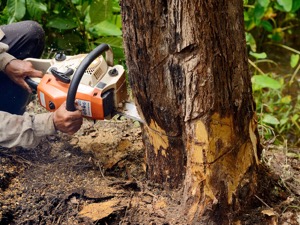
[
  {"x": 26, "y": 130},
  {"x": 5, "y": 58}
]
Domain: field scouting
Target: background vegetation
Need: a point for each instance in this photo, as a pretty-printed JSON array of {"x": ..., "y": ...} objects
[
  {"x": 72, "y": 26},
  {"x": 272, "y": 35}
]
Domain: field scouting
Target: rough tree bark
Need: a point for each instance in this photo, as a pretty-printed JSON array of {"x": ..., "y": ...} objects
[{"x": 189, "y": 75}]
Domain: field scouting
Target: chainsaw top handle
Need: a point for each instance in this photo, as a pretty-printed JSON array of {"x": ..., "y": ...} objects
[{"x": 70, "y": 102}]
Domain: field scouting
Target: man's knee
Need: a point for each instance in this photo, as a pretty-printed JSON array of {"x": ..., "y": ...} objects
[
  {"x": 33, "y": 41},
  {"x": 34, "y": 31}
]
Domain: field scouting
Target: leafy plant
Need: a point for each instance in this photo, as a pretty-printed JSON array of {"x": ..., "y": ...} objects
[
  {"x": 73, "y": 25},
  {"x": 269, "y": 19},
  {"x": 278, "y": 105},
  {"x": 270, "y": 22}
]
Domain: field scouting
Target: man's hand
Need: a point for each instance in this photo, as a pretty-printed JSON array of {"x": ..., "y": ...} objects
[
  {"x": 67, "y": 121},
  {"x": 17, "y": 70}
]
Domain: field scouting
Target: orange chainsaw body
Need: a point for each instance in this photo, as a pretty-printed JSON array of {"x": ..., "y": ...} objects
[
  {"x": 102, "y": 89},
  {"x": 52, "y": 93}
]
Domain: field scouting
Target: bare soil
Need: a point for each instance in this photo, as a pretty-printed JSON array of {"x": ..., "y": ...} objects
[{"x": 98, "y": 177}]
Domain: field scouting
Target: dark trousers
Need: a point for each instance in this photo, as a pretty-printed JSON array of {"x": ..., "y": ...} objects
[{"x": 25, "y": 40}]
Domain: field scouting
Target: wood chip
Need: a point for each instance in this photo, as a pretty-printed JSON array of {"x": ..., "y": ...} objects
[{"x": 98, "y": 211}]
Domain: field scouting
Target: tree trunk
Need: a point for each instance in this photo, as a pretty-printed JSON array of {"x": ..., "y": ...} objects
[{"x": 189, "y": 75}]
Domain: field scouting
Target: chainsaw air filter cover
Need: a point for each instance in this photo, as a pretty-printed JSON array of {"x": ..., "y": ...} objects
[{"x": 93, "y": 73}]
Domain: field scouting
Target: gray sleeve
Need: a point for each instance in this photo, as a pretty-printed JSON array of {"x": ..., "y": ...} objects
[
  {"x": 5, "y": 58},
  {"x": 26, "y": 130}
]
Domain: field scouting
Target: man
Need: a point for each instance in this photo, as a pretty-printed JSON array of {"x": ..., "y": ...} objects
[{"x": 17, "y": 128}]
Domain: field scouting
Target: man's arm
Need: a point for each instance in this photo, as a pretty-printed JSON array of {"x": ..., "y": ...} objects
[
  {"x": 27, "y": 130},
  {"x": 5, "y": 58},
  {"x": 17, "y": 69}
]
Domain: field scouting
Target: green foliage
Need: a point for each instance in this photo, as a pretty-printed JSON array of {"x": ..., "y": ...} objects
[
  {"x": 16, "y": 14},
  {"x": 264, "y": 81},
  {"x": 294, "y": 60},
  {"x": 261, "y": 55},
  {"x": 35, "y": 9},
  {"x": 269, "y": 20},
  {"x": 277, "y": 97},
  {"x": 278, "y": 106},
  {"x": 72, "y": 25}
]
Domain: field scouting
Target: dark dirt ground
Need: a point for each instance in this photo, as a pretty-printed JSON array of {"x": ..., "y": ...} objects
[{"x": 97, "y": 177}]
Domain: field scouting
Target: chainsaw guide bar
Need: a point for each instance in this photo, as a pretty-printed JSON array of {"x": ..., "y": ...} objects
[{"x": 130, "y": 111}]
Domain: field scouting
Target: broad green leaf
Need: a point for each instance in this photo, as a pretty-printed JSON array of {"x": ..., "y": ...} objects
[
  {"x": 249, "y": 25},
  {"x": 100, "y": 10},
  {"x": 105, "y": 28},
  {"x": 16, "y": 9},
  {"x": 267, "y": 25},
  {"x": 84, "y": 8},
  {"x": 269, "y": 119},
  {"x": 4, "y": 16},
  {"x": 35, "y": 9},
  {"x": 264, "y": 3},
  {"x": 76, "y": 2},
  {"x": 284, "y": 120},
  {"x": 118, "y": 20},
  {"x": 259, "y": 12},
  {"x": 296, "y": 120},
  {"x": 286, "y": 4},
  {"x": 116, "y": 42},
  {"x": 59, "y": 9},
  {"x": 296, "y": 5},
  {"x": 295, "y": 117},
  {"x": 246, "y": 16},
  {"x": 286, "y": 99},
  {"x": 251, "y": 41},
  {"x": 62, "y": 23},
  {"x": 265, "y": 82},
  {"x": 278, "y": 7},
  {"x": 261, "y": 55},
  {"x": 118, "y": 54},
  {"x": 116, "y": 6},
  {"x": 275, "y": 37},
  {"x": 294, "y": 60}
]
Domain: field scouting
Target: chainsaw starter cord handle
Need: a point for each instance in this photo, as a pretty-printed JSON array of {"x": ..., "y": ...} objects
[{"x": 70, "y": 102}]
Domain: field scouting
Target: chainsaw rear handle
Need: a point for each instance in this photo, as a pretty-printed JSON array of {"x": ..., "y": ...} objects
[
  {"x": 63, "y": 77},
  {"x": 70, "y": 102},
  {"x": 32, "y": 84}
]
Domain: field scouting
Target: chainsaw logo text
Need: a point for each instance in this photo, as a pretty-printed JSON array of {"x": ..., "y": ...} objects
[{"x": 86, "y": 107}]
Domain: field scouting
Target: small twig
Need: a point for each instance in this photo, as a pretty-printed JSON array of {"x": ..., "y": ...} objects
[
  {"x": 286, "y": 47},
  {"x": 262, "y": 201},
  {"x": 291, "y": 206},
  {"x": 128, "y": 207},
  {"x": 295, "y": 73},
  {"x": 58, "y": 221},
  {"x": 256, "y": 67},
  {"x": 100, "y": 169}
]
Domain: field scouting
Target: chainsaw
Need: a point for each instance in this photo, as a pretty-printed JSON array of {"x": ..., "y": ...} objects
[{"x": 92, "y": 81}]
